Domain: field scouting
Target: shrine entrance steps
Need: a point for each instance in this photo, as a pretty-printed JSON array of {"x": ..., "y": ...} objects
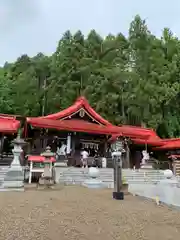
[
  {"x": 6, "y": 160},
  {"x": 72, "y": 175},
  {"x": 3, "y": 172}
]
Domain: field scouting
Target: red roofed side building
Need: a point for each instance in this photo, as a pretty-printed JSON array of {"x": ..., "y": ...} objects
[{"x": 9, "y": 126}]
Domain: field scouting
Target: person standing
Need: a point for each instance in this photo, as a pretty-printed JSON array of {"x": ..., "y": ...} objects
[
  {"x": 145, "y": 158},
  {"x": 84, "y": 156}
]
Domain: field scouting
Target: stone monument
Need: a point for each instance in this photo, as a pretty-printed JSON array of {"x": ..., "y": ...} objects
[
  {"x": 14, "y": 179},
  {"x": 93, "y": 181}
]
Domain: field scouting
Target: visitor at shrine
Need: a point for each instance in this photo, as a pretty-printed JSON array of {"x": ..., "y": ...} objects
[
  {"x": 95, "y": 162},
  {"x": 84, "y": 156},
  {"x": 137, "y": 159},
  {"x": 145, "y": 158},
  {"x": 61, "y": 151}
]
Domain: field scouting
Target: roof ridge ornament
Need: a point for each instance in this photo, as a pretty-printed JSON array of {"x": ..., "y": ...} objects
[{"x": 81, "y": 113}]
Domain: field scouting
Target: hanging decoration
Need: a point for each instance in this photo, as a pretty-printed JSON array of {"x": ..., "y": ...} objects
[
  {"x": 118, "y": 145},
  {"x": 90, "y": 145}
]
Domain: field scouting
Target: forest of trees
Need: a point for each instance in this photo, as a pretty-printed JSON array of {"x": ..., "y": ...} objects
[{"x": 128, "y": 80}]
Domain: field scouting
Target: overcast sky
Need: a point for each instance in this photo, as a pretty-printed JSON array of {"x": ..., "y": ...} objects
[{"x": 31, "y": 26}]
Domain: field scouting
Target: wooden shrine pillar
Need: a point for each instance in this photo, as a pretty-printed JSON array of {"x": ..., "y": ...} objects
[
  {"x": 1, "y": 145},
  {"x": 176, "y": 167},
  {"x": 127, "y": 156}
]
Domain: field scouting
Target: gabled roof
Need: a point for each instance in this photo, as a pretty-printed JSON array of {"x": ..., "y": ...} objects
[
  {"x": 62, "y": 121},
  {"x": 74, "y": 125},
  {"x": 80, "y": 103}
]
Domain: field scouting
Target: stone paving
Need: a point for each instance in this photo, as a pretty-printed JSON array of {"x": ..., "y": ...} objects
[{"x": 75, "y": 212}]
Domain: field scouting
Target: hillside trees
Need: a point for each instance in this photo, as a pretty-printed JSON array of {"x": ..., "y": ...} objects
[{"x": 128, "y": 80}]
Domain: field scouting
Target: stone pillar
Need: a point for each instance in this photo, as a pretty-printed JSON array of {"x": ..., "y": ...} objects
[
  {"x": 117, "y": 164},
  {"x": 104, "y": 162},
  {"x": 14, "y": 178}
]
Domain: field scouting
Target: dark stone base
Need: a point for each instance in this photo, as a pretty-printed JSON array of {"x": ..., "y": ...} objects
[{"x": 118, "y": 195}]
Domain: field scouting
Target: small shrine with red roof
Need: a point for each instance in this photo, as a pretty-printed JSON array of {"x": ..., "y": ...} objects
[
  {"x": 8, "y": 124},
  {"x": 9, "y": 127}
]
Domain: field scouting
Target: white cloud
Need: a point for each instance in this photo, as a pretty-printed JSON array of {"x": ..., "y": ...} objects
[
  {"x": 30, "y": 26},
  {"x": 15, "y": 13}
]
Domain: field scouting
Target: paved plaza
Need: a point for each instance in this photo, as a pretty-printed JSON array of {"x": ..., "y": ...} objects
[{"x": 75, "y": 212}]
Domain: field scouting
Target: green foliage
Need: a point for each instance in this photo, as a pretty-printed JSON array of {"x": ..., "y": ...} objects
[{"x": 133, "y": 80}]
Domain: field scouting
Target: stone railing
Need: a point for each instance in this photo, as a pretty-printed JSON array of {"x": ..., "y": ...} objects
[{"x": 166, "y": 191}]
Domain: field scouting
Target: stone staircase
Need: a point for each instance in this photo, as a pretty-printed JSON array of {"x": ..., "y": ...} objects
[
  {"x": 4, "y": 187},
  {"x": 3, "y": 171},
  {"x": 6, "y": 160},
  {"x": 73, "y": 175}
]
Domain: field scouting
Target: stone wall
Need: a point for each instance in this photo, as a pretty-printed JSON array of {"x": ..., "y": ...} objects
[{"x": 166, "y": 191}]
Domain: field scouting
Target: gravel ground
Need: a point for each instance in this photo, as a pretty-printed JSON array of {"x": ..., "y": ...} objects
[{"x": 83, "y": 214}]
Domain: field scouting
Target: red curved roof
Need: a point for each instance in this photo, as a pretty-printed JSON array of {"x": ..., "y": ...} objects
[
  {"x": 135, "y": 132},
  {"x": 138, "y": 134},
  {"x": 9, "y": 125},
  {"x": 73, "y": 125},
  {"x": 80, "y": 103},
  {"x": 169, "y": 144},
  {"x": 151, "y": 142},
  {"x": 139, "y": 131}
]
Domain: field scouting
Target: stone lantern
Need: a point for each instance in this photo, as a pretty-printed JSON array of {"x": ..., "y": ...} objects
[
  {"x": 49, "y": 171},
  {"x": 18, "y": 143},
  {"x": 47, "y": 153},
  {"x": 15, "y": 176}
]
